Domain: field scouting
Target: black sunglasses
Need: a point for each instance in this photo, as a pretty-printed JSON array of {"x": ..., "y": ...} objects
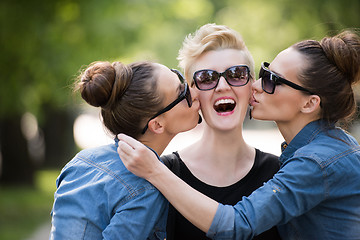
[
  {"x": 185, "y": 94},
  {"x": 208, "y": 79},
  {"x": 269, "y": 80}
]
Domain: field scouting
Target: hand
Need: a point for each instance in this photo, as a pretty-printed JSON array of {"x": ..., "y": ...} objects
[
  {"x": 140, "y": 160},
  {"x": 136, "y": 157}
]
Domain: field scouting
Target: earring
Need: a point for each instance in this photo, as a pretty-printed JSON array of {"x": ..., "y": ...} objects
[{"x": 250, "y": 115}]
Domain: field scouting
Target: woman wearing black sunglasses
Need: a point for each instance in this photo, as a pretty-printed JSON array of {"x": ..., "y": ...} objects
[
  {"x": 306, "y": 90},
  {"x": 221, "y": 164},
  {"x": 97, "y": 197}
]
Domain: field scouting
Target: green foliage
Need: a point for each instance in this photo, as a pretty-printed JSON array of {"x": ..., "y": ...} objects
[
  {"x": 268, "y": 27},
  {"x": 45, "y": 43},
  {"x": 24, "y": 209}
]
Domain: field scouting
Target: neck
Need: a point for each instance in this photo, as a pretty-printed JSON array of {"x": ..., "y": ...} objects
[
  {"x": 219, "y": 144},
  {"x": 157, "y": 142},
  {"x": 290, "y": 129},
  {"x": 219, "y": 158}
]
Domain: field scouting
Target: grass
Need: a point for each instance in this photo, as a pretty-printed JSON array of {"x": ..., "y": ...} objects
[{"x": 23, "y": 209}]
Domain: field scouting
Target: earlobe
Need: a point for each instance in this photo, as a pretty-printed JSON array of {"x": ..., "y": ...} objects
[
  {"x": 312, "y": 104},
  {"x": 156, "y": 126}
]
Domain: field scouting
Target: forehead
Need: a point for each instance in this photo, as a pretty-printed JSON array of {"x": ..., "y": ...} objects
[
  {"x": 220, "y": 59},
  {"x": 167, "y": 81},
  {"x": 288, "y": 63}
]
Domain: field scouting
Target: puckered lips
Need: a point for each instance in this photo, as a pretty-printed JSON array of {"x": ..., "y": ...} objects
[
  {"x": 252, "y": 100},
  {"x": 224, "y": 105}
]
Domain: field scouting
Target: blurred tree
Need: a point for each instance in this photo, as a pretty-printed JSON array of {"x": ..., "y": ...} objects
[
  {"x": 45, "y": 43},
  {"x": 269, "y": 27}
]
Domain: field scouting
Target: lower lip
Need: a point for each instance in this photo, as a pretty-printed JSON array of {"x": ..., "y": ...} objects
[
  {"x": 253, "y": 102},
  {"x": 225, "y": 113}
]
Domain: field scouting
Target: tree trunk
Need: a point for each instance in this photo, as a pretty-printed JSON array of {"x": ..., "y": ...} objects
[
  {"x": 58, "y": 136},
  {"x": 17, "y": 166}
]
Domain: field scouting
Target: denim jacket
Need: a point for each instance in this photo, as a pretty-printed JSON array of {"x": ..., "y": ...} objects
[
  {"x": 315, "y": 194},
  {"x": 98, "y": 198}
]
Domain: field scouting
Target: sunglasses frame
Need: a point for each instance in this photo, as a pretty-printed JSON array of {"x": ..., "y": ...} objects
[
  {"x": 277, "y": 80},
  {"x": 223, "y": 74},
  {"x": 183, "y": 95}
]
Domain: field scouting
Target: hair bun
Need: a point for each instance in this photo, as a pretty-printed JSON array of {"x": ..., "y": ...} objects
[
  {"x": 343, "y": 50},
  {"x": 102, "y": 83}
]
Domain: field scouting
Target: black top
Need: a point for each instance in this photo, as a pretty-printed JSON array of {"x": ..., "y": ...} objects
[{"x": 265, "y": 166}]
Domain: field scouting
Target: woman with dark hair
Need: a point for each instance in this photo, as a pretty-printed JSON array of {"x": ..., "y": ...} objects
[
  {"x": 306, "y": 90},
  {"x": 97, "y": 197}
]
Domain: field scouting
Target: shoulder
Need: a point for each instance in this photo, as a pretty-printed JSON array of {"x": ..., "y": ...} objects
[
  {"x": 266, "y": 165},
  {"x": 330, "y": 146},
  {"x": 100, "y": 158},
  {"x": 170, "y": 159},
  {"x": 267, "y": 159},
  {"x": 101, "y": 166}
]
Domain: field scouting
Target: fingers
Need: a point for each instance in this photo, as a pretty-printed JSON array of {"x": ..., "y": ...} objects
[
  {"x": 129, "y": 140},
  {"x": 124, "y": 150},
  {"x": 136, "y": 157}
]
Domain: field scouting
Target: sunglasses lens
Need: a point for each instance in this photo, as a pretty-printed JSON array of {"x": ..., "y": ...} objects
[
  {"x": 267, "y": 82},
  {"x": 206, "y": 79},
  {"x": 237, "y": 75}
]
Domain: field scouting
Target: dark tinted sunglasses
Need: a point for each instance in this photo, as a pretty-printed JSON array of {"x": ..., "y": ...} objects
[
  {"x": 269, "y": 80},
  {"x": 235, "y": 76},
  {"x": 185, "y": 94}
]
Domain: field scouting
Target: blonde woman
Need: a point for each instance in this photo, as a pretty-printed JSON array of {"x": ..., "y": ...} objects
[{"x": 221, "y": 165}]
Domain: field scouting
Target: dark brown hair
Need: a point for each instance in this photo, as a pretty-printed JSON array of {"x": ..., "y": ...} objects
[
  {"x": 127, "y": 94},
  {"x": 331, "y": 70}
]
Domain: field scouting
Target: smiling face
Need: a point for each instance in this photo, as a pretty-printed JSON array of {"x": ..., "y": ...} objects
[
  {"x": 225, "y": 106},
  {"x": 285, "y": 104}
]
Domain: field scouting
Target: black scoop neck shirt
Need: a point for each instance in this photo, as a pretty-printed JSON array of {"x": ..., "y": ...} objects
[{"x": 265, "y": 166}]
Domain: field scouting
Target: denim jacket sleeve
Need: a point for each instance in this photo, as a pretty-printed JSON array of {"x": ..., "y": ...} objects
[
  {"x": 285, "y": 196},
  {"x": 93, "y": 202}
]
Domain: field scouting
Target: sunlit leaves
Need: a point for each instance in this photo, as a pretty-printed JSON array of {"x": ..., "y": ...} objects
[{"x": 45, "y": 43}]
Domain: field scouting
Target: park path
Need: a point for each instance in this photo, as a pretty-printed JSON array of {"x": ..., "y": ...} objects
[{"x": 41, "y": 233}]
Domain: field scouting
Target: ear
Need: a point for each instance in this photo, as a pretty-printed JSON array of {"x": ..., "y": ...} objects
[
  {"x": 156, "y": 126},
  {"x": 312, "y": 104}
]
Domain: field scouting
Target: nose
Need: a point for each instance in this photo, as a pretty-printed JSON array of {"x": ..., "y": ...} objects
[
  {"x": 256, "y": 86},
  {"x": 222, "y": 85}
]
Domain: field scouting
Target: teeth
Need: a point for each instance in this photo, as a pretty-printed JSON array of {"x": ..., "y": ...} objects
[{"x": 224, "y": 101}]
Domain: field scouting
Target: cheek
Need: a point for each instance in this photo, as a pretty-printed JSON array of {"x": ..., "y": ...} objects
[
  {"x": 282, "y": 108},
  {"x": 243, "y": 94},
  {"x": 184, "y": 119},
  {"x": 205, "y": 100}
]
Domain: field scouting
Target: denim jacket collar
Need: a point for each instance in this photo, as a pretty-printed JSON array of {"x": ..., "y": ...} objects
[
  {"x": 304, "y": 137},
  {"x": 117, "y": 144}
]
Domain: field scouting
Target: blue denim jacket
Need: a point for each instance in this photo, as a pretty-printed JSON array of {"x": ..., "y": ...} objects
[
  {"x": 315, "y": 194},
  {"x": 98, "y": 198}
]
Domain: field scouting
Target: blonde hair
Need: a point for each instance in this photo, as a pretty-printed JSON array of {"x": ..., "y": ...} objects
[{"x": 207, "y": 38}]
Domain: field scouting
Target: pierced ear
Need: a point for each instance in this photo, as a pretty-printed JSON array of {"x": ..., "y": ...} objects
[
  {"x": 312, "y": 104},
  {"x": 156, "y": 126}
]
